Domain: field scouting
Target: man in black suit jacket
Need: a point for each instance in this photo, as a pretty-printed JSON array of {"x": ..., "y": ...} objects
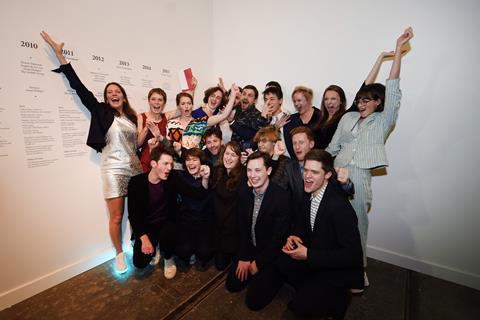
[
  {"x": 323, "y": 254},
  {"x": 303, "y": 141},
  {"x": 152, "y": 208},
  {"x": 264, "y": 212}
]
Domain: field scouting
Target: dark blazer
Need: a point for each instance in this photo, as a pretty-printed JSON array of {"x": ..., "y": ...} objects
[
  {"x": 271, "y": 228},
  {"x": 279, "y": 173},
  {"x": 295, "y": 184},
  {"x": 225, "y": 203},
  {"x": 138, "y": 199},
  {"x": 102, "y": 115},
  {"x": 334, "y": 247},
  {"x": 294, "y": 122}
]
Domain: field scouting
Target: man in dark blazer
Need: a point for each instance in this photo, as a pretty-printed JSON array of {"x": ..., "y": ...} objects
[
  {"x": 152, "y": 208},
  {"x": 303, "y": 141},
  {"x": 323, "y": 255},
  {"x": 264, "y": 212}
]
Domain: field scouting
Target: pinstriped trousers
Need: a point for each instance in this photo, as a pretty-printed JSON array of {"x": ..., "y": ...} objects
[{"x": 361, "y": 202}]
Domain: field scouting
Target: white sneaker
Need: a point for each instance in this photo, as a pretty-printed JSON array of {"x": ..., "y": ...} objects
[
  {"x": 170, "y": 268},
  {"x": 156, "y": 258},
  {"x": 193, "y": 259},
  {"x": 120, "y": 263},
  {"x": 366, "y": 283}
]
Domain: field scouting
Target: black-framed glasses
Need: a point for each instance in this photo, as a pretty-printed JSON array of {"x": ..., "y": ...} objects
[{"x": 362, "y": 101}]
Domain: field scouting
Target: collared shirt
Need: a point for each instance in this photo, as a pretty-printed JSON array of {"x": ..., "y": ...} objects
[
  {"x": 257, "y": 203},
  {"x": 315, "y": 203}
]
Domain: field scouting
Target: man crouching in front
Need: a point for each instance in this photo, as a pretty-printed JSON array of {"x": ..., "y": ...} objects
[
  {"x": 323, "y": 255},
  {"x": 263, "y": 222}
]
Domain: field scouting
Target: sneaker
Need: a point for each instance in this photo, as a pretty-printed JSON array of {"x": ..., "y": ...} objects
[
  {"x": 366, "y": 283},
  {"x": 120, "y": 263},
  {"x": 193, "y": 259},
  {"x": 356, "y": 291},
  {"x": 170, "y": 268},
  {"x": 156, "y": 258}
]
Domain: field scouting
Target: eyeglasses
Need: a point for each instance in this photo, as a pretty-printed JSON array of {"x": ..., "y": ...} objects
[{"x": 362, "y": 101}]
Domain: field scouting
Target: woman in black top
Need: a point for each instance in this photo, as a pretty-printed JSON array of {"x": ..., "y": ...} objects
[{"x": 229, "y": 175}]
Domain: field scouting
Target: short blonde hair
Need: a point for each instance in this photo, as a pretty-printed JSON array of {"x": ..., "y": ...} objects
[
  {"x": 269, "y": 132},
  {"x": 307, "y": 92}
]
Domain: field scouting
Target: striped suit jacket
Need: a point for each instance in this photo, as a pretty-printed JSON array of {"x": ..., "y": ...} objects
[{"x": 365, "y": 147}]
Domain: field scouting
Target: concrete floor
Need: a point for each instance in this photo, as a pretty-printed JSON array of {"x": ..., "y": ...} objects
[{"x": 395, "y": 293}]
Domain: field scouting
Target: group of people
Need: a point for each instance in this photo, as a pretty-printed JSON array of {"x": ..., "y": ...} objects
[{"x": 276, "y": 197}]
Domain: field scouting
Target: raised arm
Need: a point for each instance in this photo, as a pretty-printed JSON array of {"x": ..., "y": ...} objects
[
  {"x": 393, "y": 94},
  {"x": 86, "y": 96},
  {"x": 173, "y": 114},
  {"x": 376, "y": 67},
  {"x": 401, "y": 41},
  {"x": 372, "y": 75},
  {"x": 213, "y": 120},
  {"x": 141, "y": 130},
  {"x": 56, "y": 47}
]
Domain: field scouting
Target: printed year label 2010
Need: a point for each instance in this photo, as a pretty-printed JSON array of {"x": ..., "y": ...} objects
[{"x": 27, "y": 44}]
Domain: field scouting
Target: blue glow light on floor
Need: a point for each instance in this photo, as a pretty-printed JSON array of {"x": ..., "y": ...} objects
[{"x": 121, "y": 277}]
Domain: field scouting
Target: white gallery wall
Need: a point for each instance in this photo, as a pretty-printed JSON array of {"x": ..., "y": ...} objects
[
  {"x": 53, "y": 220},
  {"x": 425, "y": 213}
]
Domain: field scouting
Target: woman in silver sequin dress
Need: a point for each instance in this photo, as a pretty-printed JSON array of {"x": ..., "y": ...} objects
[{"x": 113, "y": 132}]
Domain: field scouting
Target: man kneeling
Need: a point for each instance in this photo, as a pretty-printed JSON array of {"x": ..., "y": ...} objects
[
  {"x": 152, "y": 208},
  {"x": 323, "y": 254},
  {"x": 263, "y": 215}
]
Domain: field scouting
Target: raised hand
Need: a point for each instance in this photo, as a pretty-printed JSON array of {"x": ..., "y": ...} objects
[
  {"x": 152, "y": 143},
  {"x": 342, "y": 175},
  {"x": 278, "y": 149},
  {"x": 177, "y": 147},
  {"x": 221, "y": 84},
  {"x": 233, "y": 91},
  {"x": 401, "y": 41},
  {"x": 204, "y": 171},
  {"x": 283, "y": 120},
  {"x": 194, "y": 83},
  {"x": 56, "y": 47},
  {"x": 267, "y": 110},
  {"x": 387, "y": 55},
  {"x": 404, "y": 38},
  {"x": 153, "y": 128}
]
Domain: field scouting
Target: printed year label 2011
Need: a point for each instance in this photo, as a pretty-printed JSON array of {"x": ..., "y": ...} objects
[{"x": 67, "y": 52}]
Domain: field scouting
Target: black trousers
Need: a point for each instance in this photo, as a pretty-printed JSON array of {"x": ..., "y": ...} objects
[
  {"x": 261, "y": 287},
  {"x": 316, "y": 295},
  {"x": 195, "y": 239},
  {"x": 223, "y": 260},
  {"x": 163, "y": 234}
]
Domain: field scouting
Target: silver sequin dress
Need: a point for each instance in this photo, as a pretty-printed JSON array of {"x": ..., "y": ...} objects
[{"x": 119, "y": 161}]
